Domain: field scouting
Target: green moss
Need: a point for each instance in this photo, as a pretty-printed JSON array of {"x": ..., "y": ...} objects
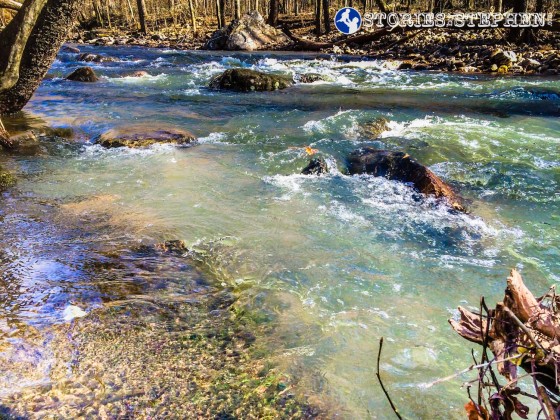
[{"x": 7, "y": 180}]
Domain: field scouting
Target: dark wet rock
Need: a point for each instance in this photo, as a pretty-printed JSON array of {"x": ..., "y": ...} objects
[
  {"x": 96, "y": 58},
  {"x": 309, "y": 78},
  {"x": 7, "y": 180},
  {"x": 70, "y": 49},
  {"x": 405, "y": 65},
  {"x": 316, "y": 166},
  {"x": 83, "y": 74},
  {"x": 249, "y": 33},
  {"x": 399, "y": 166},
  {"x": 246, "y": 80},
  {"x": 373, "y": 129},
  {"x": 142, "y": 135},
  {"x": 221, "y": 300}
]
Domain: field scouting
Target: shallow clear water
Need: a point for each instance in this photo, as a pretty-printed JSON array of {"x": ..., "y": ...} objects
[{"x": 337, "y": 261}]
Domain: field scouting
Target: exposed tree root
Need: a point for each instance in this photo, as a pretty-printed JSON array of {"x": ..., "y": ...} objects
[{"x": 521, "y": 331}]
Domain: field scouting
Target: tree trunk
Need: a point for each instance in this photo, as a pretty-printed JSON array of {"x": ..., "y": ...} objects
[
  {"x": 237, "y": 11},
  {"x": 131, "y": 10},
  {"x": 540, "y": 6},
  {"x": 498, "y": 6},
  {"x": 273, "y": 15},
  {"x": 519, "y": 34},
  {"x": 29, "y": 45},
  {"x": 141, "y": 4},
  {"x": 382, "y": 6},
  {"x": 326, "y": 16},
  {"x": 193, "y": 17},
  {"x": 219, "y": 15},
  {"x": 223, "y": 12},
  {"x": 318, "y": 17}
]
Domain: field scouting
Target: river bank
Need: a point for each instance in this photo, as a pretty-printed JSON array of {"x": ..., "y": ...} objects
[{"x": 448, "y": 50}]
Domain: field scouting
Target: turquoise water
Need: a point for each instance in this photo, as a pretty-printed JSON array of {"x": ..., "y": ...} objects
[{"x": 336, "y": 261}]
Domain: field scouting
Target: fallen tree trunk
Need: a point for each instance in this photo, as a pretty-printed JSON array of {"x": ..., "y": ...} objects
[{"x": 521, "y": 331}]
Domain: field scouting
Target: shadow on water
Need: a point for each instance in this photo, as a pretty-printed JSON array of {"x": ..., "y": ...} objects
[{"x": 7, "y": 414}]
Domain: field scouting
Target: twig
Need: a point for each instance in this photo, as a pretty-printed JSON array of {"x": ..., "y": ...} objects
[
  {"x": 523, "y": 327},
  {"x": 541, "y": 402},
  {"x": 541, "y": 392},
  {"x": 470, "y": 368},
  {"x": 381, "y": 382}
]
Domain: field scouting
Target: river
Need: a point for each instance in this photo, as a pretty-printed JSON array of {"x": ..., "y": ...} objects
[{"x": 331, "y": 263}]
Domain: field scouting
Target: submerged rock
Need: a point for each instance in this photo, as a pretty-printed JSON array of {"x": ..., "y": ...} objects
[
  {"x": 96, "y": 58},
  {"x": 69, "y": 49},
  {"x": 248, "y": 33},
  {"x": 176, "y": 246},
  {"x": 83, "y": 74},
  {"x": 309, "y": 78},
  {"x": 143, "y": 136},
  {"x": 246, "y": 80},
  {"x": 316, "y": 166},
  {"x": 374, "y": 128},
  {"x": 400, "y": 166}
]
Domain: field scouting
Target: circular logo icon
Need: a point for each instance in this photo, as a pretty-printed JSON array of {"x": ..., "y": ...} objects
[{"x": 348, "y": 20}]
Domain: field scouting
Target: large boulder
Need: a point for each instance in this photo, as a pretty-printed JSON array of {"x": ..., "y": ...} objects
[
  {"x": 246, "y": 80},
  {"x": 144, "y": 135},
  {"x": 400, "y": 166},
  {"x": 503, "y": 58},
  {"x": 83, "y": 74},
  {"x": 249, "y": 33}
]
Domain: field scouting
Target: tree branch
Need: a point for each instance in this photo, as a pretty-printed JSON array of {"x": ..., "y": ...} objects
[{"x": 10, "y": 4}]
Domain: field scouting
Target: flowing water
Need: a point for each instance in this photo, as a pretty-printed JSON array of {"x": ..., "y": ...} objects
[{"x": 334, "y": 262}]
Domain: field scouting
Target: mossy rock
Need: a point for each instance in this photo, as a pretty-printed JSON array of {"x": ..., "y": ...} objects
[
  {"x": 7, "y": 180},
  {"x": 310, "y": 78},
  {"x": 246, "y": 80},
  {"x": 142, "y": 135},
  {"x": 374, "y": 128}
]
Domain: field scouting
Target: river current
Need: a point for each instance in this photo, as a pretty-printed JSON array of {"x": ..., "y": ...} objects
[{"x": 332, "y": 262}]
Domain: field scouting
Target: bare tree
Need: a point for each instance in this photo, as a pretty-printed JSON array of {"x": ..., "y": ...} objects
[
  {"x": 142, "y": 15},
  {"x": 273, "y": 14},
  {"x": 28, "y": 46},
  {"x": 326, "y": 16}
]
